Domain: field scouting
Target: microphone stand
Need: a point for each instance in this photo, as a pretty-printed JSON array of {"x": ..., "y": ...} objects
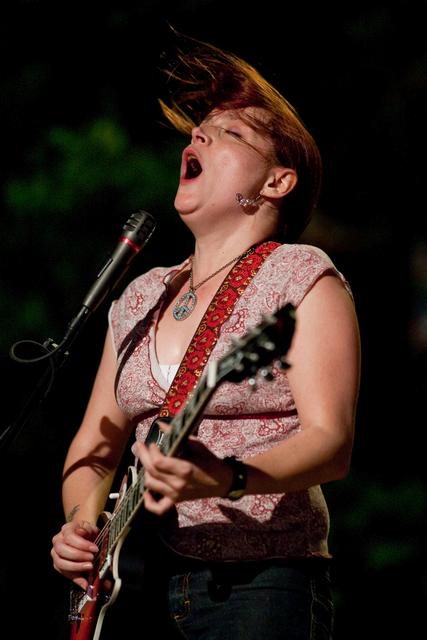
[
  {"x": 136, "y": 232},
  {"x": 56, "y": 355}
]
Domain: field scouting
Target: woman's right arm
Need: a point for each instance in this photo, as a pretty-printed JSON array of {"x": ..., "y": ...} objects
[{"x": 89, "y": 469}]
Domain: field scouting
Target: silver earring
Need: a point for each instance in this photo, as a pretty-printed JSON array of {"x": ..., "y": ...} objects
[{"x": 246, "y": 203}]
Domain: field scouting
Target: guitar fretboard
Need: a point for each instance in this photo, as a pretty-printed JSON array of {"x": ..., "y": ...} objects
[{"x": 170, "y": 443}]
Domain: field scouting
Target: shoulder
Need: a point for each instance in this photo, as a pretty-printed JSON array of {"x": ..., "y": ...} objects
[
  {"x": 300, "y": 254},
  {"x": 298, "y": 267}
]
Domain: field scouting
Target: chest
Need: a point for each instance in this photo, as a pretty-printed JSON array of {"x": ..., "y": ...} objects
[{"x": 173, "y": 336}]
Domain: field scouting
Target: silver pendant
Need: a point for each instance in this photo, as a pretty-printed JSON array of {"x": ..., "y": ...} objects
[{"x": 185, "y": 305}]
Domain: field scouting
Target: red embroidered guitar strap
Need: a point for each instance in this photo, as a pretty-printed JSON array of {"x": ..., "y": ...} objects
[{"x": 207, "y": 333}]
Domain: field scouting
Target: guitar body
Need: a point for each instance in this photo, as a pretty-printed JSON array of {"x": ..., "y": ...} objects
[
  {"x": 117, "y": 577},
  {"x": 87, "y": 614}
]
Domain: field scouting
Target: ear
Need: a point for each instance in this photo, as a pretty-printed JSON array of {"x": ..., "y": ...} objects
[{"x": 280, "y": 181}]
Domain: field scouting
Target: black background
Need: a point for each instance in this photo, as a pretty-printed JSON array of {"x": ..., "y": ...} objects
[{"x": 357, "y": 74}]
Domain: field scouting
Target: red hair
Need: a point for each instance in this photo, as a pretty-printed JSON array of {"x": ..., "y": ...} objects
[{"x": 203, "y": 78}]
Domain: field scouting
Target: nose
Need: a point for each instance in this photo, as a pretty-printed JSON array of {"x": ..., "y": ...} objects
[{"x": 199, "y": 135}]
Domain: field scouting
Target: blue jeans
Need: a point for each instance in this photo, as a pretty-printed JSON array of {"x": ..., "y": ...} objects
[
  {"x": 245, "y": 601},
  {"x": 185, "y": 599}
]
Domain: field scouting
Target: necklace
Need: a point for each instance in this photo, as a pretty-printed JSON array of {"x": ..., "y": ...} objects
[{"x": 186, "y": 303}]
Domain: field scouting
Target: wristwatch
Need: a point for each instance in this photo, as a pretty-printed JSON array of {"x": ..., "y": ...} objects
[{"x": 240, "y": 475}]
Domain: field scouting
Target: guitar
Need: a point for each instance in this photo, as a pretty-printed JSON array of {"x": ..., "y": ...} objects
[{"x": 250, "y": 355}]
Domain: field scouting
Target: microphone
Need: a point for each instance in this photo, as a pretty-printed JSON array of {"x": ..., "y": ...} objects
[{"x": 136, "y": 233}]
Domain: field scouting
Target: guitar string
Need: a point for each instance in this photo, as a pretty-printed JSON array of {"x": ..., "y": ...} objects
[
  {"x": 129, "y": 494},
  {"x": 105, "y": 531},
  {"x": 122, "y": 505}
]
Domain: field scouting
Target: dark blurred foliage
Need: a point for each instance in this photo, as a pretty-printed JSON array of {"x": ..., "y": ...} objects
[{"x": 84, "y": 146}]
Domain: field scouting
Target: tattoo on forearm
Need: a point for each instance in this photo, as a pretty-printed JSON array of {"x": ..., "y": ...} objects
[{"x": 72, "y": 513}]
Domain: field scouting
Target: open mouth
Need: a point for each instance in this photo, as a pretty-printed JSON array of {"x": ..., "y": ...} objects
[{"x": 193, "y": 168}]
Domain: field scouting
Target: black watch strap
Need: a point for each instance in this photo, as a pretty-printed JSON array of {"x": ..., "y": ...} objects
[{"x": 240, "y": 475}]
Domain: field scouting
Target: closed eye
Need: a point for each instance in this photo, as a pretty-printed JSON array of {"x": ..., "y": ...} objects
[{"x": 236, "y": 134}]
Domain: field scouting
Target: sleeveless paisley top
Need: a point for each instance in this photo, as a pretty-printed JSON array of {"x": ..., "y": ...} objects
[{"x": 237, "y": 420}]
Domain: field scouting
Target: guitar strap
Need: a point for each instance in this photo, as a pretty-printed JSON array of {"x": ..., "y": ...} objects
[{"x": 207, "y": 333}]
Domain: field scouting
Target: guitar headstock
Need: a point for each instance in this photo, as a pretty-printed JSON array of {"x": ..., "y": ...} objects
[{"x": 267, "y": 341}]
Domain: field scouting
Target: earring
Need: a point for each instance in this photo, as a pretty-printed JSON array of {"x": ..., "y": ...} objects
[{"x": 246, "y": 203}]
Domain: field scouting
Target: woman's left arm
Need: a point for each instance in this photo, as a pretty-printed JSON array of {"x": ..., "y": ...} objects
[{"x": 324, "y": 379}]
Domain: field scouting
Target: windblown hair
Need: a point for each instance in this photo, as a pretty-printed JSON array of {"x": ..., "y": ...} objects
[{"x": 203, "y": 77}]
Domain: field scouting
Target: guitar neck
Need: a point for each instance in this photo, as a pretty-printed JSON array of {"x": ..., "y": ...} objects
[
  {"x": 187, "y": 421},
  {"x": 171, "y": 444}
]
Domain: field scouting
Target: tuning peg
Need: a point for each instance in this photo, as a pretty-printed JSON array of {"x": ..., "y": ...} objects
[
  {"x": 252, "y": 384},
  {"x": 268, "y": 345},
  {"x": 267, "y": 374},
  {"x": 283, "y": 364}
]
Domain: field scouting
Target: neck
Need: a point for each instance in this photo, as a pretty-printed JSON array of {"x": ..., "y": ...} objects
[
  {"x": 213, "y": 250},
  {"x": 221, "y": 235}
]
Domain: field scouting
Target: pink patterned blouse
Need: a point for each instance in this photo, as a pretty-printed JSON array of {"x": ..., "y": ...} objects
[{"x": 237, "y": 420}]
